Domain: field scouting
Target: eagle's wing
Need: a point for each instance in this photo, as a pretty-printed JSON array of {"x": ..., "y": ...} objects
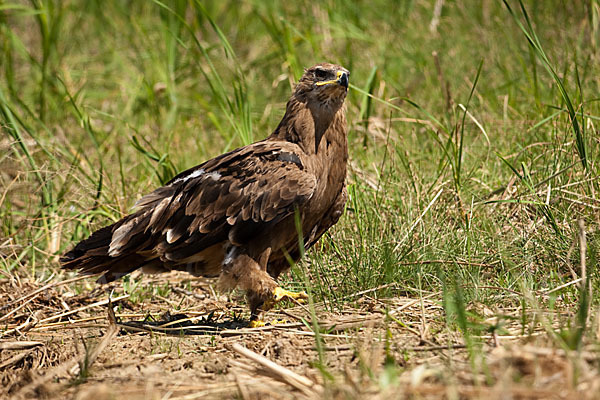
[{"x": 244, "y": 190}]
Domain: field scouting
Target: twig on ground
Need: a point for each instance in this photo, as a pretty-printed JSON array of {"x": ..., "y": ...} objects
[
  {"x": 262, "y": 329},
  {"x": 293, "y": 379},
  {"x": 11, "y": 312},
  {"x": 96, "y": 304},
  {"x": 495, "y": 288},
  {"x": 31, "y": 322},
  {"x": 357, "y": 294},
  {"x": 14, "y": 359},
  {"x": 19, "y": 345},
  {"x": 77, "y": 322}
]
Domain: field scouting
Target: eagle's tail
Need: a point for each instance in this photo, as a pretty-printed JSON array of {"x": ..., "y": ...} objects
[{"x": 93, "y": 256}]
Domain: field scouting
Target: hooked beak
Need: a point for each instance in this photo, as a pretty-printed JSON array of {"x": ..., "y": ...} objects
[{"x": 341, "y": 79}]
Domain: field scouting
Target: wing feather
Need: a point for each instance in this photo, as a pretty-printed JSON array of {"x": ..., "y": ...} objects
[{"x": 198, "y": 208}]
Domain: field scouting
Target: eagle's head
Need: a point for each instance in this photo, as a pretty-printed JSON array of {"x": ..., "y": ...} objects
[
  {"x": 315, "y": 106},
  {"x": 323, "y": 85}
]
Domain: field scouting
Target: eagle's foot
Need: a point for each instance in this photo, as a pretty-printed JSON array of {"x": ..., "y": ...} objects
[
  {"x": 258, "y": 323},
  {"x": 280, "y": 294}
]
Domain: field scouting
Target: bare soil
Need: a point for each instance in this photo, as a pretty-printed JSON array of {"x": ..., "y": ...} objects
[{"x": 193, "y": 343}]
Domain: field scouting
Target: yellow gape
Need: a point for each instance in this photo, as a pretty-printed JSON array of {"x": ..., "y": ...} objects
[{"x": 336, "y": 80}]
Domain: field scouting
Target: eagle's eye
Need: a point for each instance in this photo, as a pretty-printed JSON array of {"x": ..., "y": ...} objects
[{"x": 321, "y": 73}]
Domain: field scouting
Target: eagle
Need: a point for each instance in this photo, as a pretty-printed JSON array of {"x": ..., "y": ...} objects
[{"x": 240, "y": 216}]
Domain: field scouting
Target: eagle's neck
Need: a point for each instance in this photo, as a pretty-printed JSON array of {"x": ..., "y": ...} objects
[
  {"x": 314, "y": 127},
  {"x": 321, "y": 136}
]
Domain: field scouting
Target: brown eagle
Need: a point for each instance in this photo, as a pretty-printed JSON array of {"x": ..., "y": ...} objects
[{"x": 235, "y": 216}]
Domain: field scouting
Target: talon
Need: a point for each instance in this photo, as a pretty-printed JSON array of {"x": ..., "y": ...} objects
[{"x": 256, "y": 323}]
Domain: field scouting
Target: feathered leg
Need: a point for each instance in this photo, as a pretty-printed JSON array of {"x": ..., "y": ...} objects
[
  {"x": 240, "y": 270},
  {"x": 262, "y": 291}
]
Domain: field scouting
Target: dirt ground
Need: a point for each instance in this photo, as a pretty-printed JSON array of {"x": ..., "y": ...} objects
[{"x": 193, "y": 343}]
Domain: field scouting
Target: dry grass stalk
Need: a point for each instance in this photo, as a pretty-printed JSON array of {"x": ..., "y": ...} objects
[
  {"x": 19, "y": 345},
  {"x": 74, "y": 365},
  {"x": 106, "y": 339},
  {"x": 29, "y": 297},
  {"x": 71, "y": 323},
  {"x": 293, "y": 379},
  {"x": 96, "y": 304},
  {"x": 259, "y": 330},
  {"x": 14, "y": 360},
  {"x": 556, "y": 289}
]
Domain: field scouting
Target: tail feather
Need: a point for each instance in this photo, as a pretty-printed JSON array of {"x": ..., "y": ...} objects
[
  {"x": 91, "y": 256},
  {"x": 96, "y": 245},
  {"x": 135, "y": 242}
]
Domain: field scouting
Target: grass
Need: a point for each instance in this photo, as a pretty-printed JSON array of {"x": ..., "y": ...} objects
[{"x": 473, "y": 146}]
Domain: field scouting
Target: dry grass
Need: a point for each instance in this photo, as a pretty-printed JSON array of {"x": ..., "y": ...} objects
[{"x": 61, "y": 345}]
